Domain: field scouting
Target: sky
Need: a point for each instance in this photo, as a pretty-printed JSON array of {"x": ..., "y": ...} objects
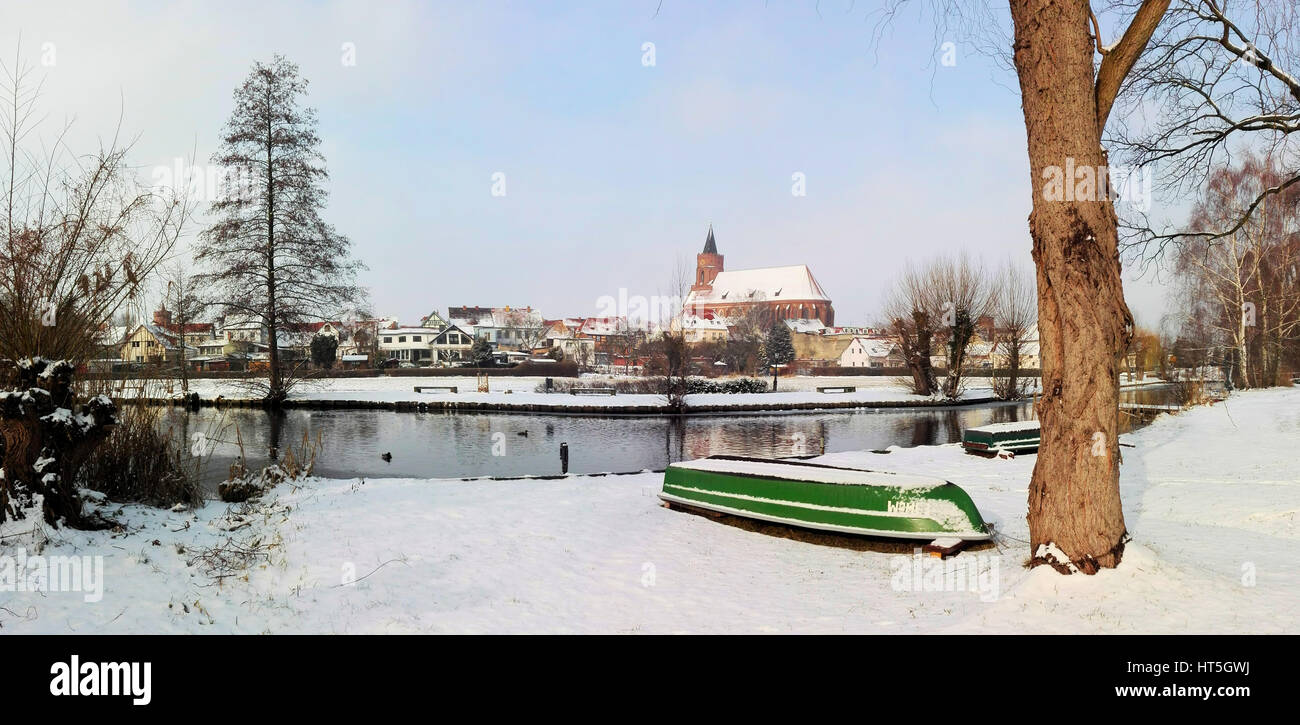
[{"x": 614, "y": 156}]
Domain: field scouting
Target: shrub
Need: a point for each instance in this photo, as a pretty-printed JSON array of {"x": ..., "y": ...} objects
[{"x": 141, "y": 463}]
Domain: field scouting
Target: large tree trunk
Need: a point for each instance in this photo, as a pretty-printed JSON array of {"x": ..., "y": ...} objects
[{"x": 1084, "y": 324}]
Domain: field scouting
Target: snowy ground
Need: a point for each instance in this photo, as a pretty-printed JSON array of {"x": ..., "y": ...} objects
[
  {"x": 1211, "y": 497},
  {"x": 520, "y": 391}
]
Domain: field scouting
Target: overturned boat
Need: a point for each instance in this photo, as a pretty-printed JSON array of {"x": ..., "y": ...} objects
[
  {"x": 989, "y": 440},
  {"x": 828, "y": 498}
]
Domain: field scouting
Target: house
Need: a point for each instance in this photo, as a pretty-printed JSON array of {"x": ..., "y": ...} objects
[
  {"x": 193, "y": 333},
  {"x": 699, "y": 329},
  {"x": 244, "y": 329},
  {"x": 153, "y": 344},
  {"x": 563, "y": 335},
  {"x": 408, "y": 344},
  {"x": 507, "y": 328},
  {"x": 865, "y": 352},
  {"x": 1029, "y": 359},
  {"x": 221, "y": 353},
  {"x": 452, "y": 345},
  {"x": 425, "y": 346}
]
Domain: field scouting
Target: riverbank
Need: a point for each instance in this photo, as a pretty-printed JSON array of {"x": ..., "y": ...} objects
[
  {"x": 518, "y": 395},
  {"x": 1209, "y": 497}
]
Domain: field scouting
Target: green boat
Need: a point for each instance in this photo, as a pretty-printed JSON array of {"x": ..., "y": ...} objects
[
  {"x": 828, "y": 498},
  {"x": 988, "y": 440}
]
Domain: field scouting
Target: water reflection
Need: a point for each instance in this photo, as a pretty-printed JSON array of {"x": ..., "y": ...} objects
[{"x": 437, "y": 445}]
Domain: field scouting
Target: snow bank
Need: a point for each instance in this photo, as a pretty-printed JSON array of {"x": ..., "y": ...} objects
[{"x": 1210, "y": 498}]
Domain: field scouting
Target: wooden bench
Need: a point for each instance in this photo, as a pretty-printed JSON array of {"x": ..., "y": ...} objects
[
  {"x": 448, "y": 388},
  {"x": 591, "y": 391},
  {"x": 837, "y": 389}
]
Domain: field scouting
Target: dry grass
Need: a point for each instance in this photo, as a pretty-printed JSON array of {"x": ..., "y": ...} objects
[{"x": 142, "y": 463}]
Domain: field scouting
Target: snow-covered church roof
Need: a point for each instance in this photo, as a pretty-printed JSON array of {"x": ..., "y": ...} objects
[{"x": 772, "y": 284}]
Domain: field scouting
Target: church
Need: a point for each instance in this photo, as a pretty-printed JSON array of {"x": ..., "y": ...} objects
[{"x": 783, "y": 293}]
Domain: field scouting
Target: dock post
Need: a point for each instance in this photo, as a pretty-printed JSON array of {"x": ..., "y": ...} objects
[{"x": 564, "y": 458}]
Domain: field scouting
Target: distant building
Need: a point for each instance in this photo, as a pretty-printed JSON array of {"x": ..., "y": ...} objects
[
  {"x": 781, "y": 293},
  {"x": 865, "y": 352},
  {"x": 700, "y": 329},
  {"x": 507, "y": 328},
  {"x": 425, "y": 346},
  {"x": 154, "y": 344},
  {"x": 408, "y": 344}
]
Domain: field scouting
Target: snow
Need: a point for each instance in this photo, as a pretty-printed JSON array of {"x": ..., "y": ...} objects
[
  {"x": 1210, "y": 498},
  {"x": 1013, "y": 427},
  {"x": 774, "y": 284},
  {"x": 795, "y": 472},
  {"x": 519, "y": 390}
]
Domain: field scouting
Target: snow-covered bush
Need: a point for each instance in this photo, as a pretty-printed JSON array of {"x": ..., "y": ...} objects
[{"x": 45, "y": 436}]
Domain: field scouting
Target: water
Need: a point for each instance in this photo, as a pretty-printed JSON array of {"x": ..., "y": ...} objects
[{"x": 454, "y": 445}]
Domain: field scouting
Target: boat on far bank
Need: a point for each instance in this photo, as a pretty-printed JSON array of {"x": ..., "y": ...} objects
[
  {"x": 990, "y": 440},
  {"x": 827, "y": 498}
]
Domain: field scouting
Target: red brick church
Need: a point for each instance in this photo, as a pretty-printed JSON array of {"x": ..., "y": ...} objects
[{"x": 784, "y": 293}]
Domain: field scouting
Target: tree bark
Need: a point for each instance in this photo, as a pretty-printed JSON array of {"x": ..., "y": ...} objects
[
  {"x": 275, "y": 394},
  {"x": 1084, "y": 324}
]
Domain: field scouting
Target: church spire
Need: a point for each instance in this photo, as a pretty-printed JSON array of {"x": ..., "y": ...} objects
[{"x": 710, "y": 246}]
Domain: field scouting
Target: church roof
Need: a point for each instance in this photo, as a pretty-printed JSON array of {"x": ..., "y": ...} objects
[
  {"x": 770, "y": 284},
  {"x": 710, "y": 246}
]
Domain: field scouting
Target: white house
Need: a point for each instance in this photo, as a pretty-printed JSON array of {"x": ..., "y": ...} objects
[
  {"x": 700, "y": 329},
  {"x": 408, "y": 344},
  {"x": 865, "y": 352}
]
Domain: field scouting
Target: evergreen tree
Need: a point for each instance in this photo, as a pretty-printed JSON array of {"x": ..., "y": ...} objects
[
  {"x": 778, "y": 347},
  {"x": 324, "y": 349},
  {"x": 272, "y": 258},
  {"x": 481, "y": 352}
]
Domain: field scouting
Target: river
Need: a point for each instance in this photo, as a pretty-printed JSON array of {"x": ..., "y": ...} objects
[{"x": 455, "y": 445}]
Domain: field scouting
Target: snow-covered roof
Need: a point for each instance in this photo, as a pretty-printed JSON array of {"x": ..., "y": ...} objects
[
  {"x": 773, "y": 284},
  {"x": 166, "y": 338},
  {"x": 813, "y": 326},
  {"x": 502, "y": 317},
  {"x": 873, "y": 347},
  {"x": 410, "y": 331},
  {"x": 604, "y": 325}
]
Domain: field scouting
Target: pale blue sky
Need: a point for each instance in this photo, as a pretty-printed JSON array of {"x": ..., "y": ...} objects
[{"x": 613, "y": 169}]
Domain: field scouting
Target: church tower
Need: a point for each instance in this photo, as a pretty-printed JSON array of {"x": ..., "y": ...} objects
[{"x": 708, "y": 264}]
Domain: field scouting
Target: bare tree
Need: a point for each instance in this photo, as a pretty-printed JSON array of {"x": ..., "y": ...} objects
[
  {"x": 81, "y": 234},
  {"x": 960, "y": 290},
  {"x": 1244, "y": 283},
  {"x": 271, "y": 256},
  {"x": 745, "y": 334},
  {"x": 1015, "y": 313},
  {"x": 909, "y": 313},
  {"x": 935, "y": 306},
  {"x": 186, "y": 307}
]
